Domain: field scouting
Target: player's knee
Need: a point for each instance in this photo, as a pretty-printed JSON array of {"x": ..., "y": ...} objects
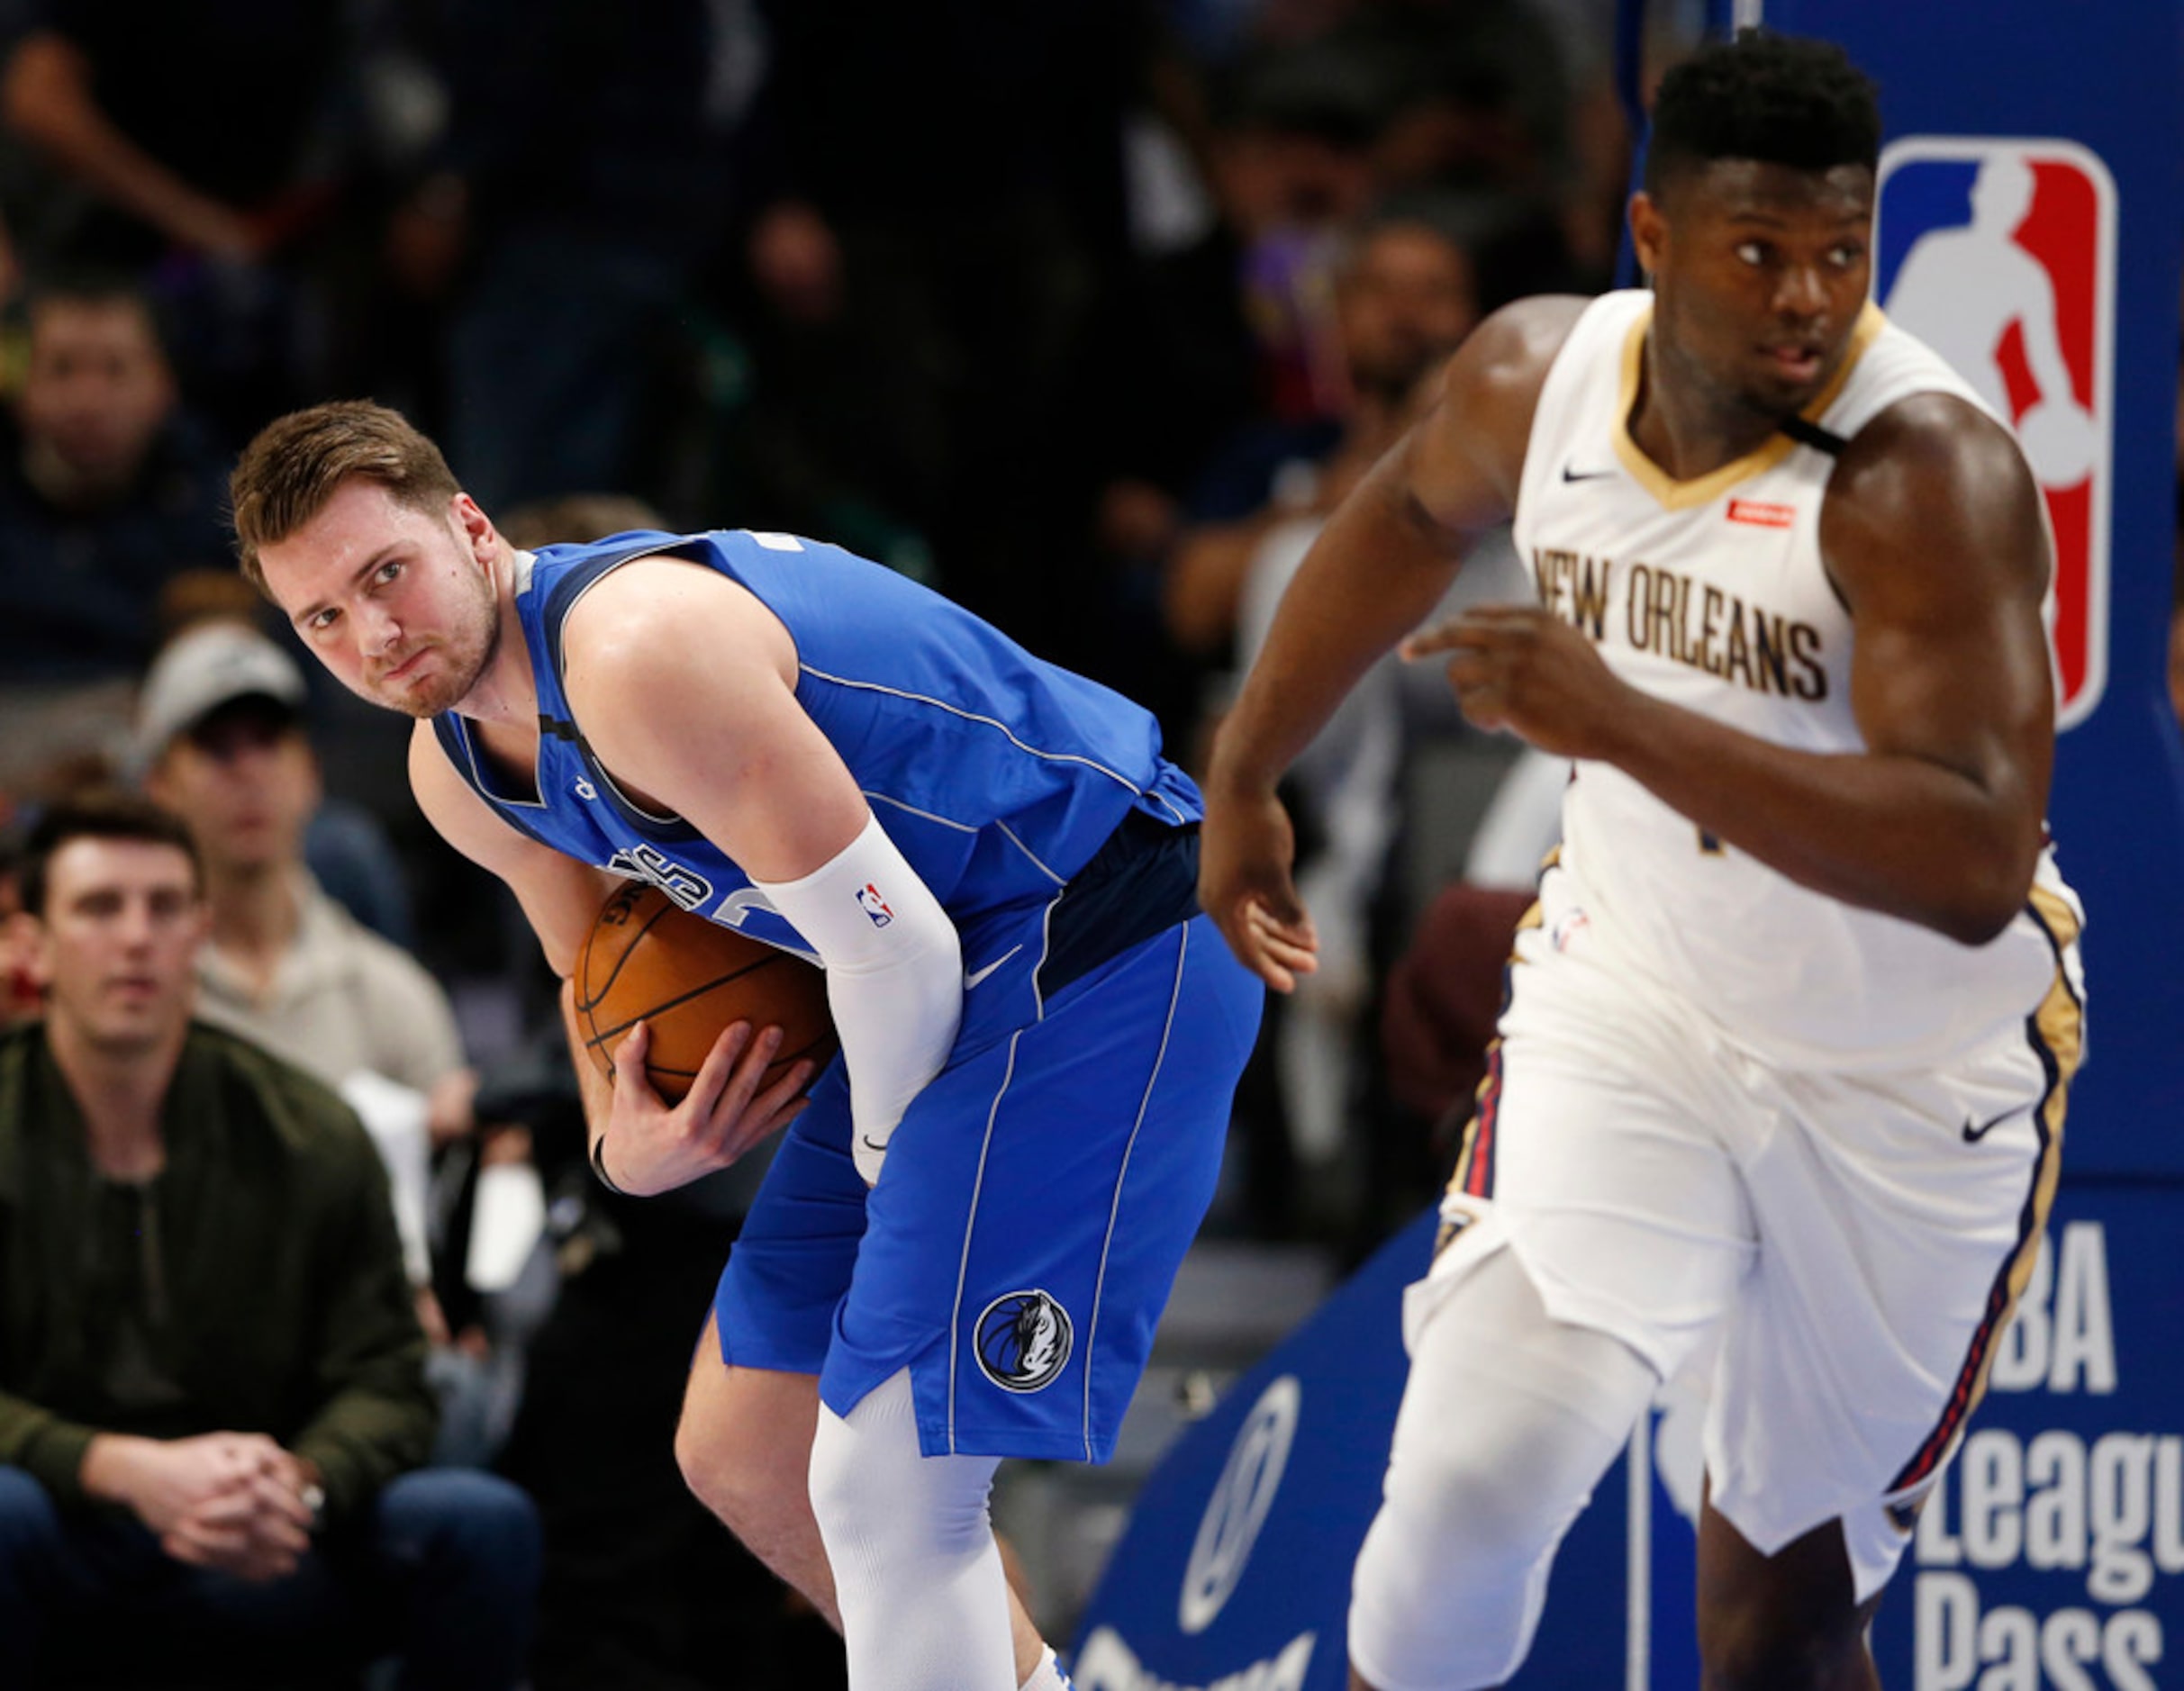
[
  {"x": 745, "y": 1485},
  {"x": 871, "y": 1486},
  {"x": 1477, "y": 1495},
  {"x": 849, "y": 1510}
]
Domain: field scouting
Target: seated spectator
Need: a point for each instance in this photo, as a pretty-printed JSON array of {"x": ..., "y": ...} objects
[
  {"x": 578, "y": 517},
  {"x": 204, "y": 148},
  {"x": 212, "y": 1387},
  {"x": 1442, "y": 999},
  {"x": 1405, "y": 296},
  {"x": 2176, "y": 662},
  {"x": 19, "y": 999},
  {"x": 224, "y": 748},
  {"x": 108, "y": 488},
  {"x": 1404, "y": 299}
]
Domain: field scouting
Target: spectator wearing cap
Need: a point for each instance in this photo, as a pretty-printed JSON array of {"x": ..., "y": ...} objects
[{"x": 222, "y": 742}]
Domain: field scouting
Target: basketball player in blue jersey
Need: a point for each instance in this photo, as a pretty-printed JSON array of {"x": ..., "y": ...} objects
[
  {"x": 963, "y": 1244},
  {"x": 1779, "y": 1083}
]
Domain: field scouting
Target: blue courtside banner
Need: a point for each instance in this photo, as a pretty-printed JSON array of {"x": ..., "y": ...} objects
[{"x": 1234, "y": 1570}]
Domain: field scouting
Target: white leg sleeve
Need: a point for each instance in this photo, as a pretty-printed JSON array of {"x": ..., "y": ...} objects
[
  {"x": 1508, "y": 1421},
  {"x": 924, "y": 1601}
]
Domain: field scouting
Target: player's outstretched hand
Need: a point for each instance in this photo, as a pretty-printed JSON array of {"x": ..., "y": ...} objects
[
  {"x": 1246, "y": 850},
  {"x": 1522, "y": 668},
  {"x": 731, "y": 1107}
]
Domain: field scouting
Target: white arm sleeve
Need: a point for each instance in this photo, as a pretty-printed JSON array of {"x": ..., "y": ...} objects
[{"x": 894, "y": 977}]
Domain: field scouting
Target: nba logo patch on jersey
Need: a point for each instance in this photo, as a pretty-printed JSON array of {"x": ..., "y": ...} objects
[
  {"x": 2000, "y": 254},
  {"x": 869, "y": 899}
]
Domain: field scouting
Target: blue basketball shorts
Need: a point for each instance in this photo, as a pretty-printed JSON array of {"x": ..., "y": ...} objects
[{"x": 1026, "y": 1228}]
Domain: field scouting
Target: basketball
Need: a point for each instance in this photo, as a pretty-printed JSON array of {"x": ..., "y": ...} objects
[{"x": 646, "y": 960}]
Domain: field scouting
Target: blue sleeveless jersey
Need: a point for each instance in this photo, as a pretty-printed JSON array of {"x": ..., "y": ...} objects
[{"x": 996, "y": 774}]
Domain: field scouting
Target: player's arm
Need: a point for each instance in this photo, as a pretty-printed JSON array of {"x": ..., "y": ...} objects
[
  {"x": 559, "y": 896},
  {"x": 636, "y": 1143},
  {"x": 686, "y": 685},
  {"x": 1933, "y": 535},
  {"x": 1381, "y": 562},
  {"x": 1934, "y": 532}
]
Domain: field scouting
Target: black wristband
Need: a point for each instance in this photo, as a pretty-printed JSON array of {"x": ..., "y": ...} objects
[{"x": 599, "y": 1166}]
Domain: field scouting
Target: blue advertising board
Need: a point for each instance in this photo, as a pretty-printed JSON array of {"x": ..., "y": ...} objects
[{"x": 1235, "y": 1569}]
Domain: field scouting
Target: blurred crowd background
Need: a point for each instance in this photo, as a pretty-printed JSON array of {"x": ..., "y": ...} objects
[{"x": 1084, "y": 312}]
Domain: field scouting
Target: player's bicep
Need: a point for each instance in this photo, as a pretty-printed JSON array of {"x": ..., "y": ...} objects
[
  {"x": 1937, "y": 539},
  {"x": 1961, "y": 694},
  {"x": 559, "y": 895},
  {"x": 688, "y": 695}
]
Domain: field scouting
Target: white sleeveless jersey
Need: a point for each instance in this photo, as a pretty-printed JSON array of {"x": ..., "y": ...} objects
[{"x": 1710, "y": 594}]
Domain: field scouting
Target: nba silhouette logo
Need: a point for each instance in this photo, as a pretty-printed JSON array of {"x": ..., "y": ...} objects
[
  {"x": 2000, "y": 254},
  {"x": 873, "y": 906}
]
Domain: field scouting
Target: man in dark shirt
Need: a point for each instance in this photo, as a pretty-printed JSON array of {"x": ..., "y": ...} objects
[
  {"x": 211, "y": 1391},
  {"x": 109, "y": 488}
]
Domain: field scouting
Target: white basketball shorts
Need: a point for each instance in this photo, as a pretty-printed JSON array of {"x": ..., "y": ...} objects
[{"x": 1839, "y": 1252}]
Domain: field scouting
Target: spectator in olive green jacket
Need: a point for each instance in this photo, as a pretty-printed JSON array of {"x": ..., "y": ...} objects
[{"x": 212, "y": 1405}]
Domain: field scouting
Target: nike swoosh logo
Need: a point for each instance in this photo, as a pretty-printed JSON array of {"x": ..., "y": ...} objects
[
  {"x": 1973, "y": 1135},
  {"x": 1570, "y": 474},
  {"x": 971, "y": 978},
  {"x": 874, "y": 1144}
]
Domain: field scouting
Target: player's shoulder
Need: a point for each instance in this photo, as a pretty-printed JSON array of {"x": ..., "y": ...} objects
[
  {"x": 1933, "y": 489},
  {"x": 1929, "y": 455},
  {"x": 1509, "y": 355},
  {"x": 651, "y": 638},
  {"x": 1470, "y": 450},
  {"x": 656, "y": 605}
]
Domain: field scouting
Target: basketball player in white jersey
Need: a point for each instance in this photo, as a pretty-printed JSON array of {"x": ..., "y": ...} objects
[{"x": 1780, "y": 1085}]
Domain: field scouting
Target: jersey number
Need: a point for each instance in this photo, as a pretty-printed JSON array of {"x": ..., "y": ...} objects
[{"x": 686, "y": 887}]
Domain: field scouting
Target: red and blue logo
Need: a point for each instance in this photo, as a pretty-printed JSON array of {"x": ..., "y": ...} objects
[{"x": 2000, "y": 254}]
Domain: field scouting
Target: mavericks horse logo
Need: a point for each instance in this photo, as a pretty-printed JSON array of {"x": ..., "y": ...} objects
[{"x": 1023, "y": 1340}]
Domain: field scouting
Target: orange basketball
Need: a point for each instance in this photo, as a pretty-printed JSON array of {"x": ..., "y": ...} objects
[{"x": 645, "y": 960}]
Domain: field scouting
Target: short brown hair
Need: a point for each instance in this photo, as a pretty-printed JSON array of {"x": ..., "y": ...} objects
[
  {"x": 290, "y": 471},
  {"x": 97, "y": 813}
]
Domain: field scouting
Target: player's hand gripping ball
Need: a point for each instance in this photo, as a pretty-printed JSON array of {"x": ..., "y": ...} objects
[{"x": 645, "y": 960}]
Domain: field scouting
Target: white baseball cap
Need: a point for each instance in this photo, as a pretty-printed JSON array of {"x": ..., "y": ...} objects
[{"x": 204, "y": 668}]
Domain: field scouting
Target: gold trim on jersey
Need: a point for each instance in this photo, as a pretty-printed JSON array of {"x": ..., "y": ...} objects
[
  {"x": 1675, "y": 496},
  {"x": 2058, "y": 1031}
]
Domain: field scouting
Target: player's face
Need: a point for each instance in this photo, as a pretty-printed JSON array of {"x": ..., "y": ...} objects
[
  {"x": 117, "y": 944},
  {"x": 398, "y": 602},
  {"x": 1760, "y": 272}
]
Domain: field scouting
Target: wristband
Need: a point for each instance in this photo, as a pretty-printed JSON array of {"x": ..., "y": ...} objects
[{"x": 599, "y": 1166}]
